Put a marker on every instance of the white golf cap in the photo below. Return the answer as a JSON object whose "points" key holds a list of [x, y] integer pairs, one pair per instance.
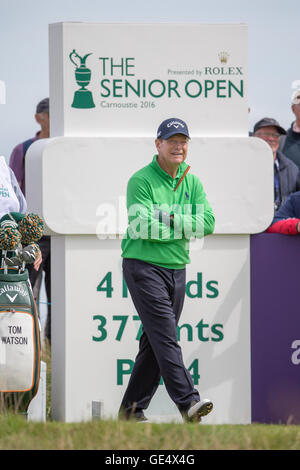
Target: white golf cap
{"points": [[296, 97]]}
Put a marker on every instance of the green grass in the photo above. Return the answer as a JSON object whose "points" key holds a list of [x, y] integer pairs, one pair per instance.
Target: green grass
{"points": [[17, 433]]}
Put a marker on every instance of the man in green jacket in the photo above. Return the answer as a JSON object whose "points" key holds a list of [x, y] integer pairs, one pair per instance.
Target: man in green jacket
{"points": [[166, 207]]}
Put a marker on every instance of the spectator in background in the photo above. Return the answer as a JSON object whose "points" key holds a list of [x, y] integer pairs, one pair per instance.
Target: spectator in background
{"points": [[286, 173], [17, 164], [287, 219], [290, 143], [17, 158]]}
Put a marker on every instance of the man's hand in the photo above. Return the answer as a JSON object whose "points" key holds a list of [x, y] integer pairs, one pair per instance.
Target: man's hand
{"points": [[164, 217], [38, 261]]}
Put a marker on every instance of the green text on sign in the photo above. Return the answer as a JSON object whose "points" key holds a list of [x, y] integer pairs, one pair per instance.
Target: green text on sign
{"points": [[202, 331], [198, 288], [125, 367]]}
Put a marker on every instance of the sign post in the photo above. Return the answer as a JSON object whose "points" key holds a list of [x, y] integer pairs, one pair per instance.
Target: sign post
{"points": [[111, 86]]}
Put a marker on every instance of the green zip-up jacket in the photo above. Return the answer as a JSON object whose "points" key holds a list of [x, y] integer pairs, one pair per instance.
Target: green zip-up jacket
{"points": [[153, 236]]}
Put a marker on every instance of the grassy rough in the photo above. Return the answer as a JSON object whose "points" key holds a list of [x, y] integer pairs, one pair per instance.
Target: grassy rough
{"points": [[17, 433]]}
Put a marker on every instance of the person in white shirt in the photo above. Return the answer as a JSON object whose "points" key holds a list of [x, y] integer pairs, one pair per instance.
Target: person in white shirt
{"points": [[11, 197]]}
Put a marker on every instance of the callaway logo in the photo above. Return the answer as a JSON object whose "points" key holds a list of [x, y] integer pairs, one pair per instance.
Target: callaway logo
{"points": [[14, 288], [175, 124], [11, 298]]}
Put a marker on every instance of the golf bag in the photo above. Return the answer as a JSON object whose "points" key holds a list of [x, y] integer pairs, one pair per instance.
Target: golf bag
{"points": [[20, 346]]}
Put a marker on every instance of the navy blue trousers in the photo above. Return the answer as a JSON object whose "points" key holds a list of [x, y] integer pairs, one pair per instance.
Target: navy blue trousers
{"points": [[158, 296]]}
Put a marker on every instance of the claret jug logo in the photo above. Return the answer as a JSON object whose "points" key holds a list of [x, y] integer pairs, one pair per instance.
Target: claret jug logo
{"points": [[83, 98]]}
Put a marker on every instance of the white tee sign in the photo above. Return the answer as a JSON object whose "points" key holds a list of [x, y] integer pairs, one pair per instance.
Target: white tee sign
{"points": [[111, 85], [120, 79]]}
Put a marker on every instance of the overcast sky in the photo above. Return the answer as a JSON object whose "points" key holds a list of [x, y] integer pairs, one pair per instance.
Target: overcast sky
{"points": [[274, 62]]}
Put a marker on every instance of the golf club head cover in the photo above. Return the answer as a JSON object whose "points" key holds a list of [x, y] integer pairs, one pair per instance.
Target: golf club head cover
{"points": [[10, 237], [17, 229], [31, 228]]}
